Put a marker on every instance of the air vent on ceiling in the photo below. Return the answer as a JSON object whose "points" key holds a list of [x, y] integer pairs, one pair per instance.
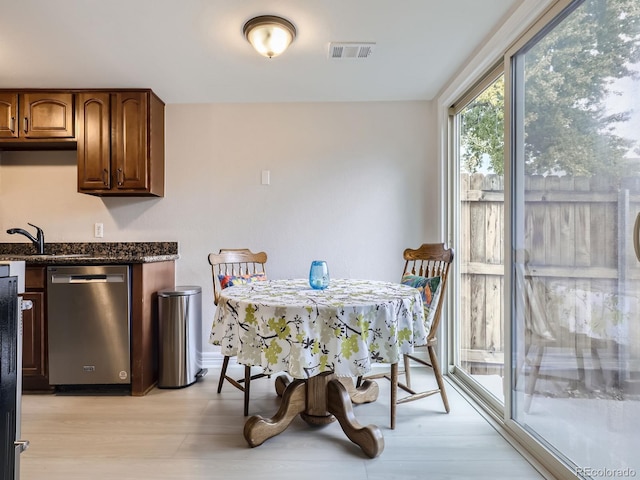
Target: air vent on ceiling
{"points": [[356, 51]]}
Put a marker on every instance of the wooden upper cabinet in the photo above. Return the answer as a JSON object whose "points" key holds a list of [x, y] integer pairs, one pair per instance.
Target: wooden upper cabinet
{"points": [[121, 143], [130, 140], [94, 141], [47, 115], [37, 116], [8, 115], [118, 134]]}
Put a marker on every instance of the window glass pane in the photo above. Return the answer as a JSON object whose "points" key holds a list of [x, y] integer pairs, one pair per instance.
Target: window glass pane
{"points": [[576, 343], [480, 333]]}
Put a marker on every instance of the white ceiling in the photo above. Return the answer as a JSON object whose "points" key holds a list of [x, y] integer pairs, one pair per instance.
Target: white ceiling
{"points": [[193, 51]]}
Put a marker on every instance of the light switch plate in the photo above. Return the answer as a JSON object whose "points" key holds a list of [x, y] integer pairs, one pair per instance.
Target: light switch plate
{"points": [[98, 230], [266, 177]]}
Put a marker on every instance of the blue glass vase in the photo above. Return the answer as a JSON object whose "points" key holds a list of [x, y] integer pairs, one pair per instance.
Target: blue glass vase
{"points": [[319, 275]]}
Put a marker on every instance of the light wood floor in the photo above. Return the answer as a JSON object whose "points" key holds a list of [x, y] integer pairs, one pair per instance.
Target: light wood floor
{"points": [[195, 433]]}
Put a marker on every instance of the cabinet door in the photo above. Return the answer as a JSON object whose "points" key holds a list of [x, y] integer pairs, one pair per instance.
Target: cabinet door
{"points": [[34, 339], [35, 365], [129, 141], [94, 141], [8, 115], [47, 115]]}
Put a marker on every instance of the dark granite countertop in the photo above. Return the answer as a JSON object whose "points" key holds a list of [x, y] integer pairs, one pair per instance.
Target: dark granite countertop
{"points": [[91, 253]]}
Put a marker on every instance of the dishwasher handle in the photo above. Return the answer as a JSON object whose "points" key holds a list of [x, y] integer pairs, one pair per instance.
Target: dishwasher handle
{"points": [[88, 278]]}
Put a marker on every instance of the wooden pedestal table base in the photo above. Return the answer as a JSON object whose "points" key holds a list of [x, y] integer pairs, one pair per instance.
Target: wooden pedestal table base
{"points": [[319, 400]]}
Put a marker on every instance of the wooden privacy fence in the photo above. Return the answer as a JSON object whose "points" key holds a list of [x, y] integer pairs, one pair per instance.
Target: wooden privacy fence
{"points": [[579, 262]]}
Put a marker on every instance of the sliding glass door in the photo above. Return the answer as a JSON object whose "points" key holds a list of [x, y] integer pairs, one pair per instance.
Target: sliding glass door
{"points": [[545, 313], [574, 133], [478, 136]]}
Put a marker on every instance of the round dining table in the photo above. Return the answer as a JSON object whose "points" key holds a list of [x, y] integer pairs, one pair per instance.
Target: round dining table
{"points": [[318, 337]]}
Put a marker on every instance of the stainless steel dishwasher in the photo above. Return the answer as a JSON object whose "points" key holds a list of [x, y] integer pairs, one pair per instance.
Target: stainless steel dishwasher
{"points": [[88, 313]]}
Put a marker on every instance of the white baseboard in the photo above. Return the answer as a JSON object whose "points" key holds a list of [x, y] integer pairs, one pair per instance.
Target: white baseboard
{"points": [[214, 360]]}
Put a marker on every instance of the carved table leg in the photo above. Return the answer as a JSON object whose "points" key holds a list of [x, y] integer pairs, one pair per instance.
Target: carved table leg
{"points": [[258, 429], [317, 411], [281, 383], [319, 400], [368, 438], [365, 393]]}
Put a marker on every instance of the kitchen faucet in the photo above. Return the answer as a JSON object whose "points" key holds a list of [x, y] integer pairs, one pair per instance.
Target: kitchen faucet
{"points": [[38, 242]]}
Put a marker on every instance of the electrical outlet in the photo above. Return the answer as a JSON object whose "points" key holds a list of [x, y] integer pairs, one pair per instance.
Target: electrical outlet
{"points": [[98, 230]]}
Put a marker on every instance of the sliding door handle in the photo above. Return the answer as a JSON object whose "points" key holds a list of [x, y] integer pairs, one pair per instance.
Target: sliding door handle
{"points": [[636, 237]]}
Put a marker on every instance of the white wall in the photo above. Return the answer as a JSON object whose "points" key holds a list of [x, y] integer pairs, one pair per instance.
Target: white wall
{"points": [[351, 183]]}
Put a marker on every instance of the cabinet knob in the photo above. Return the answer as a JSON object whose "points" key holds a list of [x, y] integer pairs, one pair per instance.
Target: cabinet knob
{"points": [[26, 124], [12, 124], [120, 177], [105, 177]]}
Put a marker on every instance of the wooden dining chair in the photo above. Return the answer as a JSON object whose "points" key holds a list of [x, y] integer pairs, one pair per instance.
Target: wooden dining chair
{"points": [[426, 268], [233, 266], [541, 307]]}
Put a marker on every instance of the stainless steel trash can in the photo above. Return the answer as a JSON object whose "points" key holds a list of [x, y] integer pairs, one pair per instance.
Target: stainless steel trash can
{"points": [[180, 324]]}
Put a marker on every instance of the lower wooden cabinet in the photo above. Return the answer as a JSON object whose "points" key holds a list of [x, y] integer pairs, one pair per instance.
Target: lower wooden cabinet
{"points": [[35, 373], [146, 280]]}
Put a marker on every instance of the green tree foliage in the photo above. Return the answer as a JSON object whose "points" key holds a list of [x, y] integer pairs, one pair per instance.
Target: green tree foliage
{"points": [[482, 130], [568, 76]]}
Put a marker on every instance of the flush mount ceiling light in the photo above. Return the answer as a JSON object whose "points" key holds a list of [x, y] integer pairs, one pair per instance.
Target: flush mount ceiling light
{"points": [[269, 35]]}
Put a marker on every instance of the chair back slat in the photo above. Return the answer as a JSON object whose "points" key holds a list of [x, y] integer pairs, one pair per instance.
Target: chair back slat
{"points": [[235, 261], [430, 260]]}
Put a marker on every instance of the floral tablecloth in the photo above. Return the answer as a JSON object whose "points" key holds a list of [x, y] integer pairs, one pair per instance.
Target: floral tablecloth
{"points": [[284, 325]]}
